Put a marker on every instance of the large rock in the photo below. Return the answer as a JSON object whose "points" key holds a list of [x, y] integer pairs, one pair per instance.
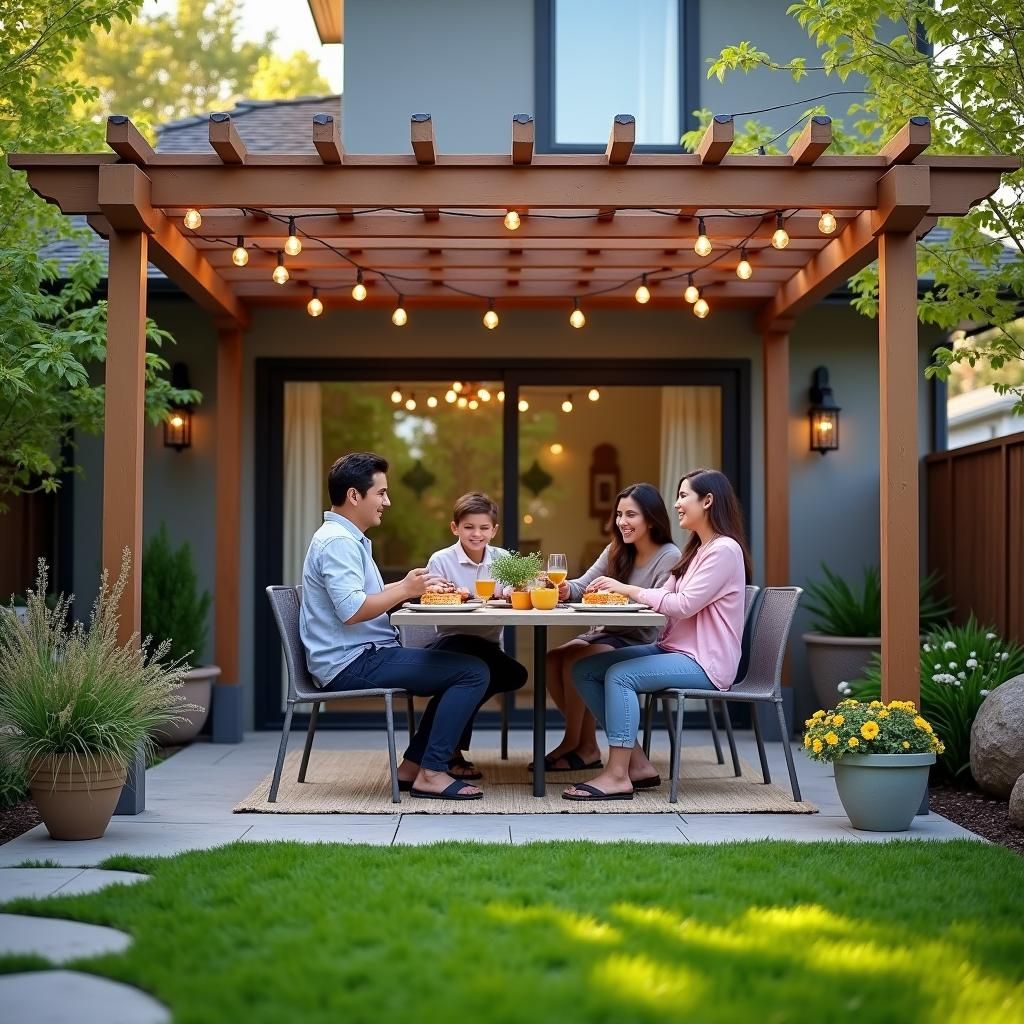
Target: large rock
{"points": [[997, 739], [1017, 804]]}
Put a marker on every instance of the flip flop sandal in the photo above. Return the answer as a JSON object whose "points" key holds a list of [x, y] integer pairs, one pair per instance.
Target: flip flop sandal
{"points": [[595, 794], [464, 771], [575, 763], [404, 785], [453, 792], [652, 783]]}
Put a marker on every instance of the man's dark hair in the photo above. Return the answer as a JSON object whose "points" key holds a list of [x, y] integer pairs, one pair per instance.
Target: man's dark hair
{"points": [[353, 470]]}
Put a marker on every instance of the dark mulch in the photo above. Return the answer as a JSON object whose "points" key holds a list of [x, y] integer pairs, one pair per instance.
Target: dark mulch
{"points": [[982, 814], [17, 819]]}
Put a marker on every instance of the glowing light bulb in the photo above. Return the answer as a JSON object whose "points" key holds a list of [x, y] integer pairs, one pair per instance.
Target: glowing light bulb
{"points": [[744, 271], [702, 247], [512, 220], [193, 218], [692, 293], [567, 404], [501, 396], [781, 238], [280, 274], [474, 404], [523, 405], [314, 307], [491, 319], [432, 402], [450, 396], [399, 317], [292, 246], [396, 396], [177, 420], [359, 289], [701, 308], [593, 394], [528, 519], [240, 255], [556, 449], [484, 395], [457, 387], [643, 293], [410, 404], [462, 402], [576, 317], [827, 222]]}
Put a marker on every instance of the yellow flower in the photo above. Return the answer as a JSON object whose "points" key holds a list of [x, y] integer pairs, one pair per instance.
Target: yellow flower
{"points": [[869, 730], [876, 704], [883, 713], [816, 746], [807, 739], [906, 745], [828, 720], [831, 739], [818, 714], [838, 720], [853, 742], [922, 724]]}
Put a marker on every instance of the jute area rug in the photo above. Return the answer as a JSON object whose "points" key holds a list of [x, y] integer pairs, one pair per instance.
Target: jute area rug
{"points": [[357, 782]]}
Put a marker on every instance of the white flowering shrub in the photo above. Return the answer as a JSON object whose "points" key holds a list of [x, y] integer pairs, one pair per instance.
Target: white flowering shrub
{"points": [[960, 666]]}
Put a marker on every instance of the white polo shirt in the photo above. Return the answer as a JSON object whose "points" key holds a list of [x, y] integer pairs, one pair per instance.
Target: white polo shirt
{"points": [[454, 564]]}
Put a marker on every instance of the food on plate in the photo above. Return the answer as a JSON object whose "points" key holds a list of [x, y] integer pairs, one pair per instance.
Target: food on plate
{"points": [[604, 597], [444, 592]]}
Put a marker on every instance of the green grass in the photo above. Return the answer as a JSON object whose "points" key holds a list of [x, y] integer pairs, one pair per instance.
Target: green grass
{"points": [[571, 932]]}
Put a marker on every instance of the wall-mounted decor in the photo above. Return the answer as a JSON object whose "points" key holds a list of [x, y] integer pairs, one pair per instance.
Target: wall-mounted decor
{"points": [[605, 480], [536, 478]]}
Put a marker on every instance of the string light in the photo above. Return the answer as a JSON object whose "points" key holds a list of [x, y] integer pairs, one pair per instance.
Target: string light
{"points": [[396, 395], [450, 396], [702, 247], [512, 220], [410, 403], [432, 402], [593, 394], [523, 405], [827, 222], [240, 255], [556, 449], [491, 317], [484, 395], [692, 293], [567, 404], [576, 317], [744, 271], [359, 289], [280, 274], [462, 402], [193, 218], [399, 317], [501, 396], [781, 237], [457, 387], [701, 307], [314, 307], [474, 404], [643, 293], [292, 246]]}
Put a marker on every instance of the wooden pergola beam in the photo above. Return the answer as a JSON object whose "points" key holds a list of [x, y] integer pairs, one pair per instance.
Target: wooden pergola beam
{"points": [[621, 139], [127, 141], [717, 140], [522, 139], [421, 132], [813, 141], [327, 139], [909, 142], [225, 140]]}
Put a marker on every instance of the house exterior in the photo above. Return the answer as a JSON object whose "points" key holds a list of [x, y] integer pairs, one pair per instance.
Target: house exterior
{"points": [[665, 377]]}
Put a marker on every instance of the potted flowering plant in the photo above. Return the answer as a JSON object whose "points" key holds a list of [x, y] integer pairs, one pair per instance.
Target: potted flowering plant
{"points": [[881, 754]]}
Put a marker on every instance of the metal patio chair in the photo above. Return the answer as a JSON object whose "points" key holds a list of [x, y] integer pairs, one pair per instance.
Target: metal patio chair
{"points": [[285, 602]]}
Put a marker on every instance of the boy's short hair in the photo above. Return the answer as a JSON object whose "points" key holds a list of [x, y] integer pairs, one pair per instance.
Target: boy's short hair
{"points": [[476, 503]]}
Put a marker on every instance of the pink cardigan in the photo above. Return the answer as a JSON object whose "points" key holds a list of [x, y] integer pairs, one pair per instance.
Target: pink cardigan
{"points": [[705, 610]]}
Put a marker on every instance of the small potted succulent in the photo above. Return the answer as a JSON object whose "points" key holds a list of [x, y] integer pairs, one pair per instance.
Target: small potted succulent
{"points": [[516, 572]]}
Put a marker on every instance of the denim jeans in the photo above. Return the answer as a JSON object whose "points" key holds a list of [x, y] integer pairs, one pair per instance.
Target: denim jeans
{"points": [[609, 684], [456, 680]]}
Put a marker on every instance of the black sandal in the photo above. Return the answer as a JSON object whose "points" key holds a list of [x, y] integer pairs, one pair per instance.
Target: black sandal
{"points": [[452, 792], [595, 794]]}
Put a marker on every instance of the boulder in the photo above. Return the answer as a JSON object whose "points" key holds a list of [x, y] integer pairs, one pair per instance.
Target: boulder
{"points": [[997, 739], [1017, 804]]}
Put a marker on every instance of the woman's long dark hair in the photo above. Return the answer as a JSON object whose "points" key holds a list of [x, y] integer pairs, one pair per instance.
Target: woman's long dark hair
{"points": [[725, 514], [622, 556]]}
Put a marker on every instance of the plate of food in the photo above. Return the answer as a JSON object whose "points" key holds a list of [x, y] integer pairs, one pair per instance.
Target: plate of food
{"points": [[605, 601], [451, 602]]}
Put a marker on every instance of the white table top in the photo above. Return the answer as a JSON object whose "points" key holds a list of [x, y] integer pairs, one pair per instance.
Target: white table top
{"points": [[533, 617]]}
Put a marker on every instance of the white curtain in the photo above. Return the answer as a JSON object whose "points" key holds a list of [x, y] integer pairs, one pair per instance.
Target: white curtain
{"points": [[303, 475], [691, 438]]}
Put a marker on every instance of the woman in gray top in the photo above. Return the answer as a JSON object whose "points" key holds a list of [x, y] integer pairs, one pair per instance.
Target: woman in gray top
{"points": [[641, 553]]}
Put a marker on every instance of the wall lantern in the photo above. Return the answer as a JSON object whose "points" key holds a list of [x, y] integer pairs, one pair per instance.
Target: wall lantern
{"points": [[824, 414], [178, 424]]}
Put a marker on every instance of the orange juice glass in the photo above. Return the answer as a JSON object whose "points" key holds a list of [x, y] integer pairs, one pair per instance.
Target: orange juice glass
{"points": [[557, 576], [485, 589]]}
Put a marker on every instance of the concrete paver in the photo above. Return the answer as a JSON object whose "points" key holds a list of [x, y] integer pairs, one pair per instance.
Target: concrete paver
{"points": [[56, 997]]}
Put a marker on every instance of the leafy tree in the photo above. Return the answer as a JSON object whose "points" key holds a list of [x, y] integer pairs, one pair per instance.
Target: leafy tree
{"points": [[971, 85], [187, 61], [50, 337]]}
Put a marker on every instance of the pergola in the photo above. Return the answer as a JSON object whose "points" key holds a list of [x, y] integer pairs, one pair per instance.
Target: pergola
{"points": [[589, 224]]}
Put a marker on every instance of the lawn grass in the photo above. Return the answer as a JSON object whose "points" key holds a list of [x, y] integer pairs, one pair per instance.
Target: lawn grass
{"points": [[570, 932]]}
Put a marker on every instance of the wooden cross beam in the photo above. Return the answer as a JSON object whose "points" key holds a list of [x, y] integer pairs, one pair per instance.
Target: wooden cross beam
{"points": [[225, 139], [327, 140], [421, 130], [717, 139], [126, 140], [909, 142], [813, 141], [621, 139], [522, 139]]}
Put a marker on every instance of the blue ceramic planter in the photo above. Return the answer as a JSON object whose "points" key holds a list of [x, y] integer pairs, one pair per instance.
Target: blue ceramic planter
{"points": [[882, 792]]}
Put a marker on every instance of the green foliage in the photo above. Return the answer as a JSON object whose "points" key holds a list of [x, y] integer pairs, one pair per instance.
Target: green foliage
{"points": [[853, 728], [960, 666], [13, 785], [972, 89], [173, 610], [70, 690], [185, 61], [841, 610], [515, 570]]}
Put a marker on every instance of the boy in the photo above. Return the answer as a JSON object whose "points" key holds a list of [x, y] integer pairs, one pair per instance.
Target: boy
{"points": [[351, 645], [474, 524]]}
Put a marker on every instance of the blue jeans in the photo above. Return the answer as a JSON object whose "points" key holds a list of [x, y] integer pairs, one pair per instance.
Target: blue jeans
{"points": [[458, 680], [609, 684]]}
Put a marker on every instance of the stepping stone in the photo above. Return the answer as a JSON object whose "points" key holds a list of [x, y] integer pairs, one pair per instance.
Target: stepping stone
{"points": [[38, 883], [93, 879], [56, 940], [56, 997]]}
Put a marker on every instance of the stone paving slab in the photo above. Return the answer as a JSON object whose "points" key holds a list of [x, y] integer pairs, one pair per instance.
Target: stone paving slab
{"points": [[38, 883], [57, 997], [598, 828], [57, 941]]}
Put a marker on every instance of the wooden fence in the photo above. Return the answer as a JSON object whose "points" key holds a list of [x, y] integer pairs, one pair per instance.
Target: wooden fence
{"points": [[975, 506]]}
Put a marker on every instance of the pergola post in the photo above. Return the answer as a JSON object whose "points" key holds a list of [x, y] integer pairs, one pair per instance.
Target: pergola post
{"points": [[227, 705], [775, 358], [897, 389]]}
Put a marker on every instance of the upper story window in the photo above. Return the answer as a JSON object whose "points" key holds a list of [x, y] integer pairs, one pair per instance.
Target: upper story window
{"points": [[599, 58]]}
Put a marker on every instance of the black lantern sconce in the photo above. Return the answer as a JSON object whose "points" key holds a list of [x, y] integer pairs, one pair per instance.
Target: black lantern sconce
{"points": [[178, 424], [824, 414]]}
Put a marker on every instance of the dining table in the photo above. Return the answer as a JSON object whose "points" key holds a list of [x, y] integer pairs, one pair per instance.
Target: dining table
{"points": [[538, 621]]}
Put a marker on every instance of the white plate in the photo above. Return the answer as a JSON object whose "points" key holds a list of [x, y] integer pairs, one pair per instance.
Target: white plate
{"points": [[581, 607], [440, 607]]}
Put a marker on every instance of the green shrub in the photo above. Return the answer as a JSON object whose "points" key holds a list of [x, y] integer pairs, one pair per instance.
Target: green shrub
{"points": [[172, 607], [841, 610], [960, 666], [13, 787]]}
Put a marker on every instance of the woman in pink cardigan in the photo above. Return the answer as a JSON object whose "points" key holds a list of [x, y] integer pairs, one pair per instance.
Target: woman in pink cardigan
{"points": [[699, 647]]}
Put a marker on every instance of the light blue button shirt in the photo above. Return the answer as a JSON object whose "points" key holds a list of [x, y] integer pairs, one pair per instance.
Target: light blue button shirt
{"points": [[337, 575]]}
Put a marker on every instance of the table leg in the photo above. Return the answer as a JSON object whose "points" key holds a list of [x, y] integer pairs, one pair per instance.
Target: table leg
{"points": [[540, 700]]}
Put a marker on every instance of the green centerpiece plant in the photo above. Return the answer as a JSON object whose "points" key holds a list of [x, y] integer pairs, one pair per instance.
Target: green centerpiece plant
{"points": [[517, 572]]}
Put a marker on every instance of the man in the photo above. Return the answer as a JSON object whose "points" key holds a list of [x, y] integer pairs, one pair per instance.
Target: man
{"points": [[351, 645]]}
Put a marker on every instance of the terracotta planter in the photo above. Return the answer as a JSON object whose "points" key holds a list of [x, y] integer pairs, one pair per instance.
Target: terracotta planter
{"points": [[882, 792], [197, 689], [834, 659], [520, 600], [75, 796]]}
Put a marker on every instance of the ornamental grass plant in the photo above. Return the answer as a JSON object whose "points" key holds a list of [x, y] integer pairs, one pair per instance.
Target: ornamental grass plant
{"points": [[72, 691], [515, 570], [854, 728]]}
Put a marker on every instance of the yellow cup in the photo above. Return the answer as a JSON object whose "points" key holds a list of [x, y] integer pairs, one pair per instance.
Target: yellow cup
{"points": [[544, 599], [520, 600]]}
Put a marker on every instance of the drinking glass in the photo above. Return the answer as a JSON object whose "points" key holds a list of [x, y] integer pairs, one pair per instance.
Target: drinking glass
{"points": [[558, 569], [485, 582]]}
